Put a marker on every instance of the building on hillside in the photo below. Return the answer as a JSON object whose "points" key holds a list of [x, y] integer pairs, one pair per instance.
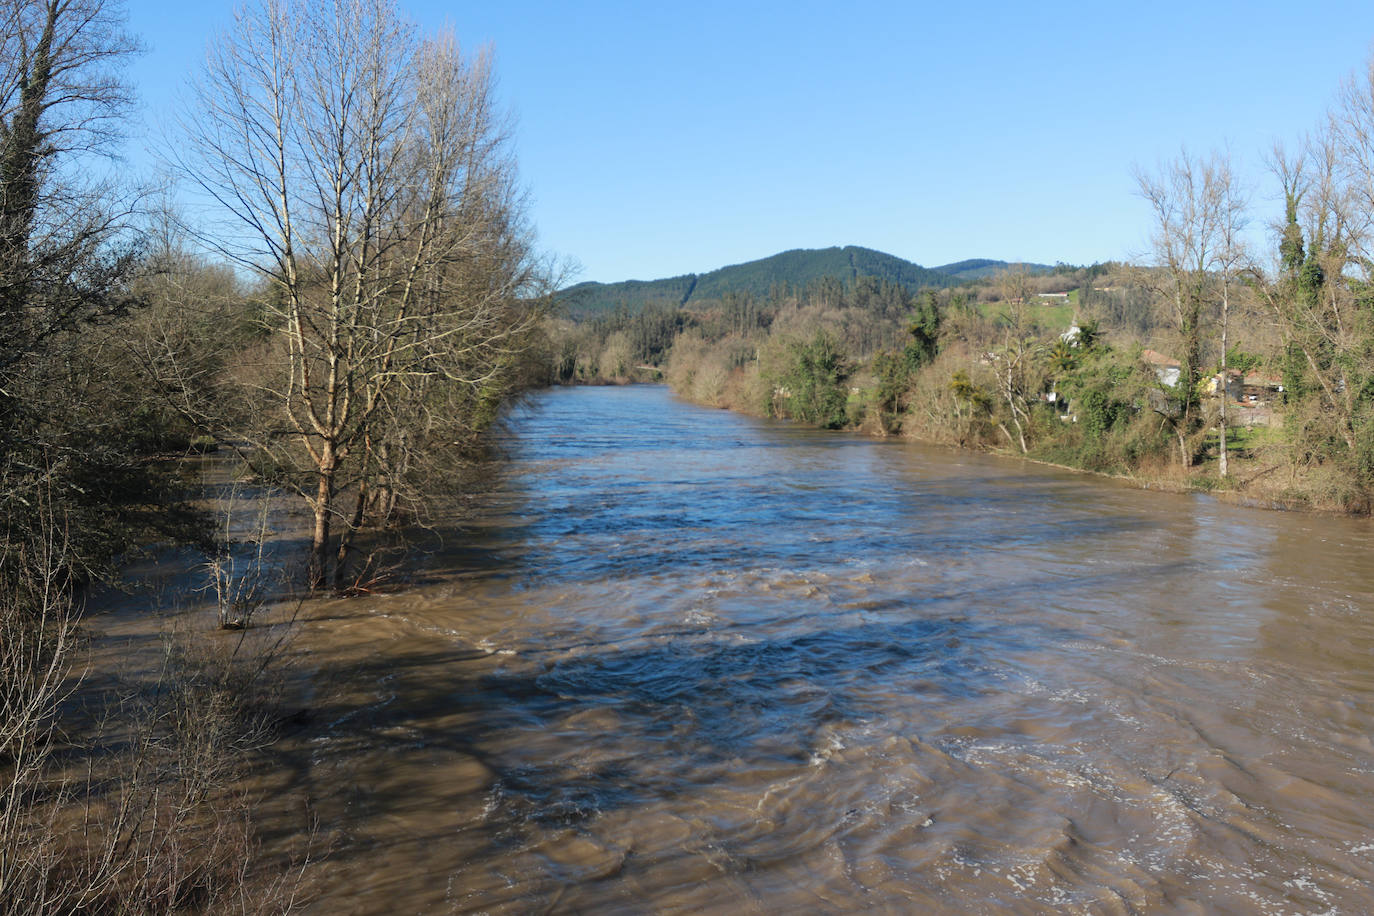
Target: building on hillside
{"points": [[1233, 385], [1167, 369], [1261, 387]]}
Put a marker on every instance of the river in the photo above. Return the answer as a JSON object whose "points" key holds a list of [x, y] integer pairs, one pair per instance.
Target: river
{"points": [[683, 660]]}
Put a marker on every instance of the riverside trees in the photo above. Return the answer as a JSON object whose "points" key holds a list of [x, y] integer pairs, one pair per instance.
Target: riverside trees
{"points": [[1198, 213], [1321, 301], [64, 264], [72, 481], [367, 177]]}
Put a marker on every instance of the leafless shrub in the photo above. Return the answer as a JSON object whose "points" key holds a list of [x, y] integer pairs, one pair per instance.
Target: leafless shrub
{"points": [[137, 808], [242, 578], [37, 636]]}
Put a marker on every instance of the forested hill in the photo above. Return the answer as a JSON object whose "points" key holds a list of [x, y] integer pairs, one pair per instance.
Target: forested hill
{"points": [[792, 269]]}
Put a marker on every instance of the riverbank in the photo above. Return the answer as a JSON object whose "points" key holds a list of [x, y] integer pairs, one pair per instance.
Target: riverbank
{"points": [[1250, 483], [1259, 473]]}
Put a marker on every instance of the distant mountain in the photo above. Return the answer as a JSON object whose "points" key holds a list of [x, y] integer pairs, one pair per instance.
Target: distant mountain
{"points": [[980, 268], [794, 268]]}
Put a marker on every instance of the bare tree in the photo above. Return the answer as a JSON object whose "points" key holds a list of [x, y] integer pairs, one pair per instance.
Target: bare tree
{"points": [[1016, 361], [37, 634], [1016, 285], [61, 99], [367, 178], [1186, 199], [1013, 366], [1311, 298]]}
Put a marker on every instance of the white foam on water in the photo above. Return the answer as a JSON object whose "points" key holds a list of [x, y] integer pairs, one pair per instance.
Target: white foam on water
{"points": [[833, 745]]}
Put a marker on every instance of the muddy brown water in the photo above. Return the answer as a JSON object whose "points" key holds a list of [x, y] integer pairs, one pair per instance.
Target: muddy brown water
{"points": [[685, 661]]}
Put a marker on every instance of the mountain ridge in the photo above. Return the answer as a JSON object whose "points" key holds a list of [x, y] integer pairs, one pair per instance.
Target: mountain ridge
{"points": [[795, 268]]}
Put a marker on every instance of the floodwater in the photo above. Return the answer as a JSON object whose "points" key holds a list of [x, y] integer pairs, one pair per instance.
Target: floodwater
{"points": [[687, 661]]}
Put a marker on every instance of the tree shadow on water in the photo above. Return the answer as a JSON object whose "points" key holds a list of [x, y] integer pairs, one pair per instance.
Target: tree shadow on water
{"points": [[569, 735]]}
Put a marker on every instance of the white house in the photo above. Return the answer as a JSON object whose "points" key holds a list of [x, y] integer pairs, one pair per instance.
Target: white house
{"points": [[1167, 369]]}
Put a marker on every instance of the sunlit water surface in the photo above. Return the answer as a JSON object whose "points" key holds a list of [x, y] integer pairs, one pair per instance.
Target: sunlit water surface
{"points": [[688, 661]]}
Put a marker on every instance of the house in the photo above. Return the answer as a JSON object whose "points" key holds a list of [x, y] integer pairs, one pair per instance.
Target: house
{"points": [[1259, 387], [1167, 369], [1233, 385]]}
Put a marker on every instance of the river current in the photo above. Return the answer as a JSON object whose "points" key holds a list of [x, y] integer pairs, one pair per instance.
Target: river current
{"points": [[682, 660]]}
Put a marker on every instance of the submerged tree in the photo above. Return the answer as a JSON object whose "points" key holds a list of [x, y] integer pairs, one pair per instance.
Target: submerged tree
{"points": [[368, 179], [68, 479]]}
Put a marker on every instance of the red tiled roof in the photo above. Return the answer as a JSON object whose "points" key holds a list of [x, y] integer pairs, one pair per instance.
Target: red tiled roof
{"points": [[1158, 359]]}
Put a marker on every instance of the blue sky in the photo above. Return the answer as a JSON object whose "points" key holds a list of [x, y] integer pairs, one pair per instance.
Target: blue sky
{"points": [[661, 139]]}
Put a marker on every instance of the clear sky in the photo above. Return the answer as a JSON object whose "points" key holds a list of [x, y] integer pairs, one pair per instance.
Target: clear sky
{"points": [[665, 138]]}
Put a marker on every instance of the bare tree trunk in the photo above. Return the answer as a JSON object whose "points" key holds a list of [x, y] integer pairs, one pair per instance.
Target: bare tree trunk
{"points": [[1186, 199], [1020, 432], [1012, 382], [324, 507], [346, 536]]}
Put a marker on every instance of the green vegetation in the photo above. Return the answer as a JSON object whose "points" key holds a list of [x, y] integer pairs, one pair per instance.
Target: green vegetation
{"points": [[810, 383]]}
